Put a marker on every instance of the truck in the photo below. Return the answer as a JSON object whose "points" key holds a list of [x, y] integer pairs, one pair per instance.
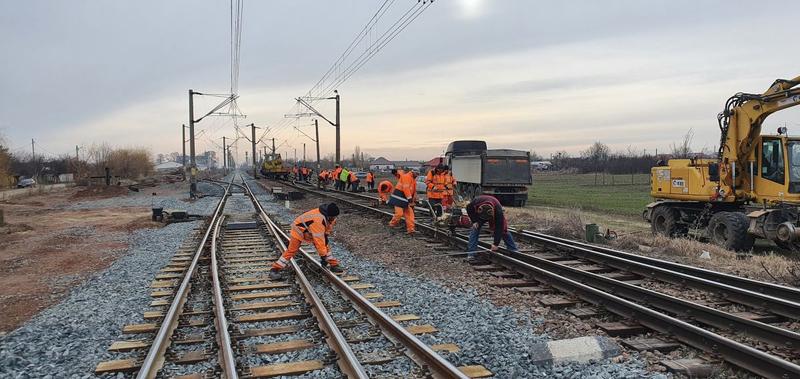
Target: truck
{"points": [[502, 173], [749, 191]]}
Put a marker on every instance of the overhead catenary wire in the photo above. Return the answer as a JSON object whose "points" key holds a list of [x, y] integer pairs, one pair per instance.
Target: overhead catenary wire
{"points": [[336, 76]]}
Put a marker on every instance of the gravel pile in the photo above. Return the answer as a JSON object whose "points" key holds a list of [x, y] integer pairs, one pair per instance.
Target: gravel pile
{"points": [[494, 336]]}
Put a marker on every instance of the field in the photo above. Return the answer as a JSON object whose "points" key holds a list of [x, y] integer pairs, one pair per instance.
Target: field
{"points": [[597, 192]]}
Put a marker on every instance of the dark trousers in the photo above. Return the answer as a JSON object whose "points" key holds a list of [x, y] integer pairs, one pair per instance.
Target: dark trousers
{"points": [[371, 185]]}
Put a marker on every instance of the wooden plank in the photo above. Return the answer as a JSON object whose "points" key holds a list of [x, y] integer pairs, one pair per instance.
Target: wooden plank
{"points": [[159, 303], [247, 279], [128, 345], [271, 331], [139, 328], [262, 295], [421, 329], [447, 347], [361, 286], [505, 274], [760, 317], [161, 293], [119, 365], [169, 276], [692, 367], [373, 295], [272, 316], [405, 317], [618, 329], [282, 347], [475, 371], [387, 304], [264, 305], [648, 344], [351, 278], [583, 312], [263, 286], [488, 268], [292, 368], [192, 357], [513, 283], [533, 290]]}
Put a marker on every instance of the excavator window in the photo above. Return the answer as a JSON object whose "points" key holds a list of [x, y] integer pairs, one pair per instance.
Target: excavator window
{"points": [[793, 148], [772, 165]]}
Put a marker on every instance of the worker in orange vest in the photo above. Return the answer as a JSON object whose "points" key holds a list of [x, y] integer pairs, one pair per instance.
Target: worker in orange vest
{"points": [[335, 177], [322, 178], [304, 173], [385, 189], [437, 189], [353, 182], [370, 180], [313, 227], [403, 198], [450, 187]]}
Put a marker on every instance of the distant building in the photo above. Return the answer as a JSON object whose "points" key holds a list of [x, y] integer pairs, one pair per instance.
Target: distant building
{"points": [[431, 164], [381, 164]]}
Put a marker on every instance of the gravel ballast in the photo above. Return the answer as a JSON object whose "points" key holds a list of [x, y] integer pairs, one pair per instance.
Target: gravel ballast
{"points": [[496, 337], [72, 337]]}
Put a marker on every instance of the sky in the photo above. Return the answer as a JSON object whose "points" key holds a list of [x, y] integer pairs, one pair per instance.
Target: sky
{"points": [[524, 74]]}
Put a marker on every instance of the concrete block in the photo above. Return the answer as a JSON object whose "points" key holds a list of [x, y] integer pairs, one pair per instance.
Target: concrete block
{"points": [[580, 350]]}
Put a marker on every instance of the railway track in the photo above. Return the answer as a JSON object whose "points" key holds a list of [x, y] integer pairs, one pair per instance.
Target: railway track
{"points": [[748, 322], [217, 314]]}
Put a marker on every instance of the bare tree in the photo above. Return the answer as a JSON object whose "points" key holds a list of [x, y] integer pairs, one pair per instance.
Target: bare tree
{"points": [[684, 148]]}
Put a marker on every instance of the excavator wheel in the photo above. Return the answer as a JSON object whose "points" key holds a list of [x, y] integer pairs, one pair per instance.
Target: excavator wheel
{"points": [[729, 230], [665, 222]]}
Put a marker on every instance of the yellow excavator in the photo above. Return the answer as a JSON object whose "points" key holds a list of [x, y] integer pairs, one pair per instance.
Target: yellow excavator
{"points": [[751, 190]]}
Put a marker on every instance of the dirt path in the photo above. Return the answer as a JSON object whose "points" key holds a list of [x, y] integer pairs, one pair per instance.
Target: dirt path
{"points": [[45, 249]]}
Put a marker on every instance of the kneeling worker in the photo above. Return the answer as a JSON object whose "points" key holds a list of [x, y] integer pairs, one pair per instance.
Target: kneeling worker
{"points": [[482, 209], [385, 189], [314, 227], [403, 198]]}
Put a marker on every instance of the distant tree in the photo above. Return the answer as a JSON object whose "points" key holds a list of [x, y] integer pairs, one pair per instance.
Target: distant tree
{"points": [[535, 156], [683, 149]]}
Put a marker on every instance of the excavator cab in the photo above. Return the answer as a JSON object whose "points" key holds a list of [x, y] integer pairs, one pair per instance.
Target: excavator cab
{"points": [[777, 179]]}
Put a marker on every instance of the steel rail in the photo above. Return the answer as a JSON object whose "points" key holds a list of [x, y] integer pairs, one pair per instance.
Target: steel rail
{"points": [[418, 351], [155, 355], [227, 357], [734, 352], [706, 315], [739, 291], [776, 290], [347, 359]]}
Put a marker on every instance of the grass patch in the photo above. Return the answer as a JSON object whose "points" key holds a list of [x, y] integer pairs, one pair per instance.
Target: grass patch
{"points": [[618, 194]]}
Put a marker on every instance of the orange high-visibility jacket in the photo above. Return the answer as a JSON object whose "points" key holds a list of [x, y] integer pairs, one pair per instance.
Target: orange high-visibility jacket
{"points": [[450, 183], [437, 185], [370, 177], [406, 184], [384, 189], [336, 173], [313, 227], [352, 177]]}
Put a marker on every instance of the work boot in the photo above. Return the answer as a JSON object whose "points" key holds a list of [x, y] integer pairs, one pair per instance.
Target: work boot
{"points": [[275, 274], [323, 262], [411, 233], [337, 269]]}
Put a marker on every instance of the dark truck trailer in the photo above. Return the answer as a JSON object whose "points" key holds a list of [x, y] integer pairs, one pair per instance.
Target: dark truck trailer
{"points": [[503, 173]]}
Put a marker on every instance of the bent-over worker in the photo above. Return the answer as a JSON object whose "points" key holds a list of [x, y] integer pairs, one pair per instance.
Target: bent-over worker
{"points": [[403, 198], [385, 189], [482, 209], [313, 227]]}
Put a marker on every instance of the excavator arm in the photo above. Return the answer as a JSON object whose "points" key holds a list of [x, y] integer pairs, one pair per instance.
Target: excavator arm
{"points": [[740, 124]]}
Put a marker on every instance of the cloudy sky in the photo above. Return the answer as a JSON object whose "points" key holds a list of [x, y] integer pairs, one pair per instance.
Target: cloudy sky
{"points": [[524, 74]]}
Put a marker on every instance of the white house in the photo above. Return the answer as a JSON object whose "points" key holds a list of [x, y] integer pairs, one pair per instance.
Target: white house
{"points": [[381, 164]]}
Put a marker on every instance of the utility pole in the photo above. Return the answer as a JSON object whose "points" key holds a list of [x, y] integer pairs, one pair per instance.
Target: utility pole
{"points": [[183, 147], [76, 154], [245, 157], [304, 153], [338, 129], [224, 155], [192, 166], [295, 156], [255, 164], [316, 131], [273, 146]]}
